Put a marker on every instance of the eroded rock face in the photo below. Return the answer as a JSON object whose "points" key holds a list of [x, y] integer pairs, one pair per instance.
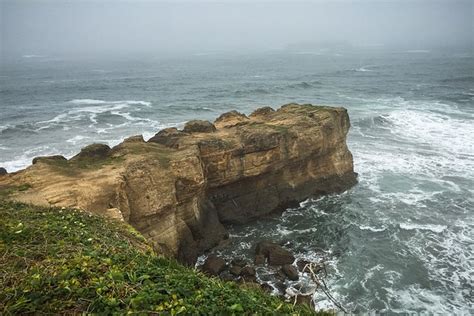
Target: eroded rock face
{"points": [[179, 188]]}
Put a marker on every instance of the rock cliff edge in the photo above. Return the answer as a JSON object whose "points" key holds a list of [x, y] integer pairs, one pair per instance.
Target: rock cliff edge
{"points": [[180, 187]]}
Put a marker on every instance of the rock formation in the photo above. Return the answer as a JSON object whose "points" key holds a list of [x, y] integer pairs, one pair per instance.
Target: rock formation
{"points": [[180, 187]]}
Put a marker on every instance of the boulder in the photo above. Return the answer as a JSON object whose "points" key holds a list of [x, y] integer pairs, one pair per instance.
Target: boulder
{"points": [[290, 271], [169, 137], [239, 262], [281, 287], [262, 112], [304, 300], [230, 119], [226, 276], [301, 264], [235, 270], [199, 126], [93, 151], [50, 159], [213, 265], [248, 271], [275, 254], [3, 171], [134, 139], [266, 287], [259, 259]]}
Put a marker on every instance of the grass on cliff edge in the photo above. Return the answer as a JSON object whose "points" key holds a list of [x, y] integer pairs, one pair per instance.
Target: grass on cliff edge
{"points": [[66, 261]]}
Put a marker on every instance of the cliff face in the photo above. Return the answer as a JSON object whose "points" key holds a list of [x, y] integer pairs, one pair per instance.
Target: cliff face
{"points": [[180, 187]]}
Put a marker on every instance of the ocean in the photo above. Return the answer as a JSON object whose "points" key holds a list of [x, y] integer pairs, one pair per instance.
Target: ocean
{"points": [[400, 241]]}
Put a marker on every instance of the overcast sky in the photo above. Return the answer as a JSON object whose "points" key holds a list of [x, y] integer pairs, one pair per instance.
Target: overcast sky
{"points": [[91, 27]]}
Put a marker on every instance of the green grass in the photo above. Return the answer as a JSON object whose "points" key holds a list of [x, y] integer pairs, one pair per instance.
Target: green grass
{"points": [[6, 191], [66, 261]]}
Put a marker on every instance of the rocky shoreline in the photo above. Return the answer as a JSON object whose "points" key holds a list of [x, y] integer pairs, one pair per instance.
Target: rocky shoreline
{"points": [[181, 187]]}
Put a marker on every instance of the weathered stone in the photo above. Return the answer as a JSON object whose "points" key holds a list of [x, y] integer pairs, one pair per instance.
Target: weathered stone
{"points": [[169, 137], [276, 254], [301, 264], [235, 270], [179, 188], [50, 159], [239, 262], [266, 287], [248, 271], [199, 126], [230, 119], [134, 139], [226, 276], [259, 259], [3, 171], [262, 112], [281, 287], [213, 265], [305, 300], [93, 151], [290, 271]]}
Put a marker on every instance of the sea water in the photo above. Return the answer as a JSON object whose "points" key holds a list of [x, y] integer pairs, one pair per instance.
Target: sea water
{"points": [[401, 240]]}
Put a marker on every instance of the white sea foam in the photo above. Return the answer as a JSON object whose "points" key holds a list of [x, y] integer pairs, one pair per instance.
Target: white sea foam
{"points": [[33, 56], [77, 139], [372, 229], [93, 101], [418, 51], [433, 228], [363, 69]]}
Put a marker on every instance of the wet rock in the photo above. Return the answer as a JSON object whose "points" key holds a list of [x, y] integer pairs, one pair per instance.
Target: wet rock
{"points": [[249, 278], [301, 264], [93, 151], [55, 158], [235, 270], [239, 262], [304, 300], [276, 254], [259, 259], [199, 126], [248, 271], [213, 265], [281, 287], [290, 271], [266, 287], [3, 171], [168, 137], [226, 276]]}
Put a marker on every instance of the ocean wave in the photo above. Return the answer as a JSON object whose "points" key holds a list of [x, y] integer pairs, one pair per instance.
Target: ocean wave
{"points": [[258, 91], [418, 51], [372, 229], [468, 79], [94, 102], [433, 228], [363, 69]]}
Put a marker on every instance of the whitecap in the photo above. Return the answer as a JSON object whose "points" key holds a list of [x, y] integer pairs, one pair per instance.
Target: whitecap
{"points": [[77, 139], [372, 229], [362, 69], [433, 228]]}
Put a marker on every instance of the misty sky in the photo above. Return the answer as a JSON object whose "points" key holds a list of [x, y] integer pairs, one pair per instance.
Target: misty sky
{"points": [[90, 27]]}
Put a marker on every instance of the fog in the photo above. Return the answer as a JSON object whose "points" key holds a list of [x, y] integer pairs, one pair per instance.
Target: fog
{"points": [[181, 27]]}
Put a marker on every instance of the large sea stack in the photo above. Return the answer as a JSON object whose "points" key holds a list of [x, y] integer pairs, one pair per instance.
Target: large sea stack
{"points": [[181, 187]]}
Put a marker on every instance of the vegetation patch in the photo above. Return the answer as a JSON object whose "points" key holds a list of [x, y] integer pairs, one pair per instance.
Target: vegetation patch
{"points": [[67, 261], [6, 191]]}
